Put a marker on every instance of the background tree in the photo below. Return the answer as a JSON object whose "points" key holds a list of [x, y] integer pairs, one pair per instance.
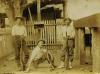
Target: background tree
{"points": [[13, 8]]}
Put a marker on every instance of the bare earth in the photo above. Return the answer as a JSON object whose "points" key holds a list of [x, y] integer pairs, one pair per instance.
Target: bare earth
{"points": [[8, 66]]}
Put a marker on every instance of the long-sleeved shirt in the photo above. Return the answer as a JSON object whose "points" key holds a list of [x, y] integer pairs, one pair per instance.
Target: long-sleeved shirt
{"points": [[19, 30]]}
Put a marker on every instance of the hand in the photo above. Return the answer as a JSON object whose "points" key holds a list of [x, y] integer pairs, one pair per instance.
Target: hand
{"points": [[68, 36], [64, 38]]}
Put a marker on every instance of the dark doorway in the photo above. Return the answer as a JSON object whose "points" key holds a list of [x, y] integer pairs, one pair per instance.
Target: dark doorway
{"points": [[88, 40]]}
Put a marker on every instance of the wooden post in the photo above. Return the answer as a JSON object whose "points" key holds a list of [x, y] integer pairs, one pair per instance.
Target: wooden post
{"points": [[96, 50], [38, 10], [77, 52], [65, 13], [96, 46], [30, 15], [81, 45], [38, 18]]}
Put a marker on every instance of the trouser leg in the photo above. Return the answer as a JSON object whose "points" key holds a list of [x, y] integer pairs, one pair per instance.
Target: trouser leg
{"points": [[17, 50], [17, 56], [63, 50], [29, 63], [70, 56], [25, 52], [70, 52]]}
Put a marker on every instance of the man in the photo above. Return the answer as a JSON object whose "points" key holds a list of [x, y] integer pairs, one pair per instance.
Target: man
{"points": [[19, 34], [39, 55], [68, 34]]}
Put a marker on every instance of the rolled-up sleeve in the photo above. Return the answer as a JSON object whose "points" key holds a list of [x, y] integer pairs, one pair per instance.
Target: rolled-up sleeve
{"points": [[13, 31]]}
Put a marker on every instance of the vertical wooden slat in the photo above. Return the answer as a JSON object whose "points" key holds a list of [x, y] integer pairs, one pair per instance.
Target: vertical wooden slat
{"points": [[47, 36], [44, 36], [27, 34], [52, 36], [48, 33], [55, 34], [50, 29]]}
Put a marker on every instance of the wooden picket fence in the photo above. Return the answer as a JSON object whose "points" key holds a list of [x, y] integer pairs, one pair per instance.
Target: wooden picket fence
{"points": [[48, 33], [6, 43]]}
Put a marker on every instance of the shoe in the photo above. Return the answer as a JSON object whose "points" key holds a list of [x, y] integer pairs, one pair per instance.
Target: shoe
{"points": [[19, 69], [27, 70], [70, 65], [62, 65]]}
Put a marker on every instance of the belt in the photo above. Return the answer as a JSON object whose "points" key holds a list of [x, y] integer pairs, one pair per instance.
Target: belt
{"points": [[70, 38]]}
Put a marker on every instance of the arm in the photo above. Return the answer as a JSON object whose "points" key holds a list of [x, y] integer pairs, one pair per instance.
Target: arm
{"points": [[24, 35], [25, 32], [13, 31], [64, 32], [73, 31]]}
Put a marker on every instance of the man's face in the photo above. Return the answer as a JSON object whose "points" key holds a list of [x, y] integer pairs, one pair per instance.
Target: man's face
{"points": [[40, 44], [67, 22], [19, 21]]}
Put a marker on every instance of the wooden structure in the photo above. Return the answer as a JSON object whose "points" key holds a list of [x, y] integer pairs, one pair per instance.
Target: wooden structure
{"points": [[93, 23], [49, 31], [14, 8]]}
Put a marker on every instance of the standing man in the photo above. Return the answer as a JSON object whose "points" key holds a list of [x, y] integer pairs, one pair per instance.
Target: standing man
{"points": [[68, 33], [19, 34]]}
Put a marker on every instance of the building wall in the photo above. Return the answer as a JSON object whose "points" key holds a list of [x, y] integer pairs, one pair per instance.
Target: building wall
{"points": [[96, 50]]}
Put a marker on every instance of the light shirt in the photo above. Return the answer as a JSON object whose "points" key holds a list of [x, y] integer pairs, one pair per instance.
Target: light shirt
{"points": [[68, 31], [19, 30], [37, 53], [64, 31]]}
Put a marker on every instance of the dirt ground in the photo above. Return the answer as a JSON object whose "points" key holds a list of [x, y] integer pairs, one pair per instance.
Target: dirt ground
{"points": [[8, 66]]}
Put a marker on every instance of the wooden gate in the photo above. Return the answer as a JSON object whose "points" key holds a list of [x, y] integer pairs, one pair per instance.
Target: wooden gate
{"points": [[48, 33]]}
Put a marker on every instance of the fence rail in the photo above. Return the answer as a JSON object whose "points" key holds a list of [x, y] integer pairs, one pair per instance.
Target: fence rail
{"points": [[48, 33]]}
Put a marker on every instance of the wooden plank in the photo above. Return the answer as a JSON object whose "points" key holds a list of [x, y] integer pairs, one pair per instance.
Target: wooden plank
{"points": [[81, 45], [48, 33]]}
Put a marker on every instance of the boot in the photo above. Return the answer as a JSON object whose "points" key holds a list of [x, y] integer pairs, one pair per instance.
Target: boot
{"points": [[70, 65]]}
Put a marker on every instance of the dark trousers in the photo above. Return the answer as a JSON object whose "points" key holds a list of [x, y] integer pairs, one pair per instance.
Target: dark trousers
{"points": [[20, 44], [67, 49]]}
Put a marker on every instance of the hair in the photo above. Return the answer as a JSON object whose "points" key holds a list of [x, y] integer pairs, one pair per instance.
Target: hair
{"points": [[19, 17], [67, 19], [42, 41]]}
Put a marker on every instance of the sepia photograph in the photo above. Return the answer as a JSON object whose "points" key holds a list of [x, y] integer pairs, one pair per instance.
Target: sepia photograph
{"points": [[49, 36]]}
